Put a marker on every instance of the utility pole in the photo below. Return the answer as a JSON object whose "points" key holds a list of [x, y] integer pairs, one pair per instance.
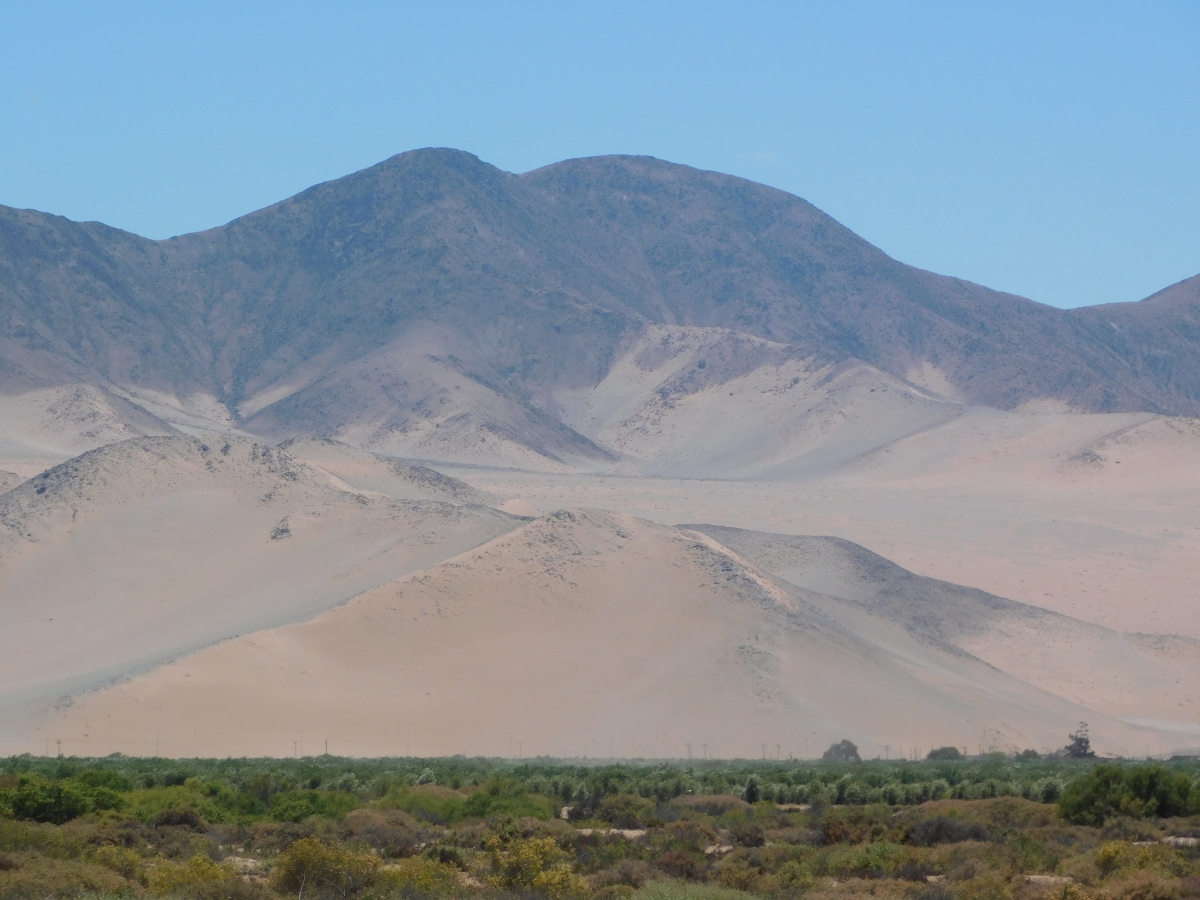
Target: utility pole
{"points": [[296, 749], [59, 742], [689, 746], [326, 746]]}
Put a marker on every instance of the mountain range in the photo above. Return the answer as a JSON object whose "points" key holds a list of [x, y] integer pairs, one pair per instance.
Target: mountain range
{"points": [[438, 307]]}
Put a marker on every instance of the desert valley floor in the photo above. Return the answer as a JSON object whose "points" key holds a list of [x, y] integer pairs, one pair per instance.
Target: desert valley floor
{"points": [[623, 614]]}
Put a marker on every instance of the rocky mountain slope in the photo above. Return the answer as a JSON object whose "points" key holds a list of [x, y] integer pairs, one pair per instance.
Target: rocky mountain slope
{"points": [[436, 307]]}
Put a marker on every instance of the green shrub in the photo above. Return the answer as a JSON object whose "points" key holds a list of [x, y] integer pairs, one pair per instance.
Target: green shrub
{"points": [[104, 778], [501, 795], [532, 864], [48, 801], [420, 876], [1108, 791], [441, 809], [310, 868], [50, 878], [682, 890], [624, 810], [124, 861], [167, 877]]}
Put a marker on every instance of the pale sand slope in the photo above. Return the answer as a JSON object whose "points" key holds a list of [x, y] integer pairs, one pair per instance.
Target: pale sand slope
{"points": [[706, 402], [377, 474], [42, 427], [415, 398], [580, 633], [9, 480], [1134, 677], [1093, 516], [131, 554]]}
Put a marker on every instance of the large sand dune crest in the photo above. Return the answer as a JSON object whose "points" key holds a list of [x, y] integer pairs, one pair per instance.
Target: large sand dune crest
{"points": [[142, 550], [1129, 676], [581, 633]]}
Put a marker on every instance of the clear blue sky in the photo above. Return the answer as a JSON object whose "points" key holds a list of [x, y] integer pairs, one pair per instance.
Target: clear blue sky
{"points": [[1048, 149]]}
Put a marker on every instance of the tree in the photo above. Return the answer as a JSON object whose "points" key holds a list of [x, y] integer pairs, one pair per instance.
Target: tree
{"points": [[945, 753], [842, 751], [1080, 746]]}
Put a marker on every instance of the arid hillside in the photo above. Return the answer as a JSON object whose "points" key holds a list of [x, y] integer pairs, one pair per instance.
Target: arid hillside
{"points": [[585, 633], [132, 554], [436, 307]]}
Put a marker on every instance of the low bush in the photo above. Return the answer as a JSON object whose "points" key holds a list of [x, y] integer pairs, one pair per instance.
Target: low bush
{"points": [[532, 864], [502, 795], [166, 877], [419, 876], [624, 810], [944, 830], [310, 868]]}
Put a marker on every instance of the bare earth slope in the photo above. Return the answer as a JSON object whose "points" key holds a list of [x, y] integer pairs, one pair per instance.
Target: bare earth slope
{"points": [[580, 633], [1091, 516], [1137, 677], [364, 471], [42, 427], [129, 555]]}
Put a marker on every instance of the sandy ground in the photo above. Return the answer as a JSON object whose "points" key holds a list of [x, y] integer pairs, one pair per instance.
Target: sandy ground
{"points": [[592, 635], [1096, 517], [143, 550], [579, 634]]}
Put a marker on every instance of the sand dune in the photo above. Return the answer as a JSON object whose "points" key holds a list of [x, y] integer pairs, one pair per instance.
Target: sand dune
{"points": [[1130, 676], [1092, 516], [580, 633], [134, 553], [371, 472]]}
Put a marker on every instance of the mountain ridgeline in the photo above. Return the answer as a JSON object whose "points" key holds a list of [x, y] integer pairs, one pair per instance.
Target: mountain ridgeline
{"points": [[436, 291]]}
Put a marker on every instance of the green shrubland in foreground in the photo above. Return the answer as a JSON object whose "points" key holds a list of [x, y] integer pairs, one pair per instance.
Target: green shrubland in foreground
{"points": [[335, 829]]}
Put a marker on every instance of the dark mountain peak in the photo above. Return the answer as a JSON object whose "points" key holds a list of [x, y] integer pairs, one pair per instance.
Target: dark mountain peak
{"points": [[543, 276], [1182, 294]]}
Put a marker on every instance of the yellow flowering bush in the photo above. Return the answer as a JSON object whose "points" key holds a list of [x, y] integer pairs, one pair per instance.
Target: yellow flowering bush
{"points": [[532, 864]]}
